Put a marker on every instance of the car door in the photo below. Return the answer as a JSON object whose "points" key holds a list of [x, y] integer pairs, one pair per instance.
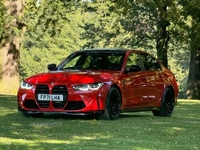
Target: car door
{"points": [[134, 82], [153, 71]]}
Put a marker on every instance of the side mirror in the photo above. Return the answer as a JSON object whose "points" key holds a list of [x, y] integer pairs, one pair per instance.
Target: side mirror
{"points": [[51, 67]]}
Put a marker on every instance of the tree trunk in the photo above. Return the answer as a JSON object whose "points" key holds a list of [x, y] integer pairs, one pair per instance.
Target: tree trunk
{"points": [[162, 37], [9, 65], [193, 83]]}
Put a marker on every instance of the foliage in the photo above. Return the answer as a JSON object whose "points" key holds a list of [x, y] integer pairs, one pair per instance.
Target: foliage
{"points": [[56, 28], [178, 56], [2, 20], [11, 35], [53, 32], [132, 24], [115, 24], [192, 28], [7, 25], [101, 25], [138, 130]]}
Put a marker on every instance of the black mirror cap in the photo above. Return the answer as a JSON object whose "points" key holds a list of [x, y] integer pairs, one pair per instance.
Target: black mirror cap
{"points": [[51, 67]]}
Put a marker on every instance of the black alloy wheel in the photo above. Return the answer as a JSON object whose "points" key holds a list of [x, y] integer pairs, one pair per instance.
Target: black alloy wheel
{"points": [[167, 105], [113, 105]]}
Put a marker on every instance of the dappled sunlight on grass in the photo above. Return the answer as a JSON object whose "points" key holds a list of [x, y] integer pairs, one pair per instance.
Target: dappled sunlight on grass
{"points": [[132, 131], [91, 137], [31, 142], [188, 101], [73, 140], [188, 109], [38, 142], [171, 131]]}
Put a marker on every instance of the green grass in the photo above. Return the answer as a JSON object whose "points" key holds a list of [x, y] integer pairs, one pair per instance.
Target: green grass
{"points": [[132, 131]]}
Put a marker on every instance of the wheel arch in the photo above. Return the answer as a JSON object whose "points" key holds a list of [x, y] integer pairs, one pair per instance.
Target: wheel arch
{"points": [[171, 87], [167, 104], [112, 104], [163, 93], [120, 91]]}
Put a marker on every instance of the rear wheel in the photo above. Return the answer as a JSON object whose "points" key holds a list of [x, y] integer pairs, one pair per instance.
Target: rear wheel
{"points": [[167, 105], [113, 104]]}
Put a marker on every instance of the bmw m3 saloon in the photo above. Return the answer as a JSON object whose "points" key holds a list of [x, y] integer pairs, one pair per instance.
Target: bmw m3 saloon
{"points": [[104, 82]]}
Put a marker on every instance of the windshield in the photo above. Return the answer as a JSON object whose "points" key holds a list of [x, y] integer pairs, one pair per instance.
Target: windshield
{"points": [[93, 60]]}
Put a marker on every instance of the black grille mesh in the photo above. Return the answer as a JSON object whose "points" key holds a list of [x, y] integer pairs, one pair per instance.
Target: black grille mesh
{"points": [[57, 89], [76, 105], [42, 89], [61, 90], [31, 104]]}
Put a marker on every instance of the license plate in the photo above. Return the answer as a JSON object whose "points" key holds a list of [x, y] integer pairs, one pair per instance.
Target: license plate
{"points": [[50, 97]]}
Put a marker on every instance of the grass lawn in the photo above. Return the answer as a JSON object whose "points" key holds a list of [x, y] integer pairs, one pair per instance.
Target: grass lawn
{"points": [[132, 131]]}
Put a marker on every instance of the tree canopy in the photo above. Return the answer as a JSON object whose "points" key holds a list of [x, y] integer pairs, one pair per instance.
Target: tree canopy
{"points": [[2, 20]]}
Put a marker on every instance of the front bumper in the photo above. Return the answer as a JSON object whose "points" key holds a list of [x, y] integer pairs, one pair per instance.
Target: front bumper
{"points": [[75, 102], [61, 113]]}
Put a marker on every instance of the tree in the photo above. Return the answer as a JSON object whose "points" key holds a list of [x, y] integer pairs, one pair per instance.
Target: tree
{"points": [[192, 25], [163, 37], [101, 24], [138, 24], [118, 24], [2, 20], [10, 49], [53, 31], [152, 26]]}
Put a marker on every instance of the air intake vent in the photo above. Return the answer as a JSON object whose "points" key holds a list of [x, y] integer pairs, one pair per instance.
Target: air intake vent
{"points": [[60, 90], [42, 89]]}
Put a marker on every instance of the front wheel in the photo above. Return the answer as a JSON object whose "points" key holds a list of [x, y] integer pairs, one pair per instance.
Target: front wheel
{"points": [[113, 105], [167, 105]]}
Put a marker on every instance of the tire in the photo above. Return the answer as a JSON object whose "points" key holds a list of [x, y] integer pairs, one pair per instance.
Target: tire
{"points": [[113, 105], [25, 114], [167, 105]]}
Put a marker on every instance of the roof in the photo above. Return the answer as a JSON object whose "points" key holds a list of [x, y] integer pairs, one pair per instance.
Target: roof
{"points": [[92, 49], [108, 50]]}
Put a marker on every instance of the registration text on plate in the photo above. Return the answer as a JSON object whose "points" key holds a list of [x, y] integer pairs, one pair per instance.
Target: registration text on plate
{"points": [[50, 97]]}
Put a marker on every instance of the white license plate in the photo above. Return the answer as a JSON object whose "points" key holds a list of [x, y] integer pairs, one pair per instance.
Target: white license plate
{"points": [[50, 97]]}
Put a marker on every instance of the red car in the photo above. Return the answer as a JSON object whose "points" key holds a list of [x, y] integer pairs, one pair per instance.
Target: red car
{"points": [[101, 81]]}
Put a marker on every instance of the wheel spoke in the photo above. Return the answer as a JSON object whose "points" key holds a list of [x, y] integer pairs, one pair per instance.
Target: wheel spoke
{"points": [[114, 104], [114, 108], [169, 105], [168, 108]]}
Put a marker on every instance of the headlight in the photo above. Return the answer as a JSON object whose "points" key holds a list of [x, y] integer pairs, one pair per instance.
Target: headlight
{"points": [[87, 87], [25, 85]]}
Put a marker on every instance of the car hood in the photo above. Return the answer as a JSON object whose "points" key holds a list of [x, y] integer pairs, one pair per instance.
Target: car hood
{"points": [[72, 77]]}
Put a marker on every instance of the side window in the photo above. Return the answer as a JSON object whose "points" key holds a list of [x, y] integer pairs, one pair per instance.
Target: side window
{"points": [[150, 63], [133, 63], [156, 64], [147, 61]]}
